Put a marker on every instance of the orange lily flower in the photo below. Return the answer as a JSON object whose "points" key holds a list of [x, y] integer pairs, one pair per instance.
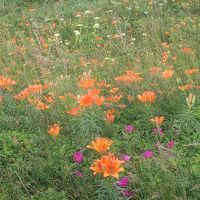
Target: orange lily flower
{"points": [[99, 100], [108, 165], [110, 117], [98, 38], [31, 89], [74, 111], [191, 71], [147, 96], [103, 84], [94, 92], [22, 95], [97, 167], [4, 82], [92, 97], [167, 74], [62, 97], [115, 98], [187, 50], [36, 88], [101, 145], [86, 100], [86, 83], [158, 120], [49, 99], [54, 130], [42, 106]]}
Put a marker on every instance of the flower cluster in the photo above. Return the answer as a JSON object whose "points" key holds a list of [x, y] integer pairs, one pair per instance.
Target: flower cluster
{"points": [[5, 82], [30, 90], [91, 98], [109, 164], [147, 97], [129, 77]]}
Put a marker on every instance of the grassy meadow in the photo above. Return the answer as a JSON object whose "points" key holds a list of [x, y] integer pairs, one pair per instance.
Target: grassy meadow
{"points": [[99, 99]]}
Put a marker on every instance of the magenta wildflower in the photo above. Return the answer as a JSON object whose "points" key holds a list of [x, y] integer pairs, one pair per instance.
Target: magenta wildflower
{"points": [[148, 154], [78, 157], [123, 182], [125, 157], [129, 128], [158, 131], [127, 193], [170, 144], [78, 174]]}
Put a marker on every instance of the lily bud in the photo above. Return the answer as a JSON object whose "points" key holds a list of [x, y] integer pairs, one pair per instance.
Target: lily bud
{"points": [[190, 100]]}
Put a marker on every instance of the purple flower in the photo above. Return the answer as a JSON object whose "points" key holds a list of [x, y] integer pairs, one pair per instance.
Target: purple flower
{"points": [[129, 128], [170, 144], [78, 174], [125, 157], [78, 157], [127, 193], [158, 131], [123, 182], [148, 154]]}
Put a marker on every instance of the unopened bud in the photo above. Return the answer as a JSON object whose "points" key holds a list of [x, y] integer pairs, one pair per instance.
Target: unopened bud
{"points": [[190, 100]]}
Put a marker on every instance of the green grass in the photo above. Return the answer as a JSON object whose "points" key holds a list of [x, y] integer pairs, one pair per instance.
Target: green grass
{"points": [[35, 165]]}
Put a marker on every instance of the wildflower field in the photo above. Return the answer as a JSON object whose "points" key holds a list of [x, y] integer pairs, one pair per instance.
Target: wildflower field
{"points": [[99, 99]]}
